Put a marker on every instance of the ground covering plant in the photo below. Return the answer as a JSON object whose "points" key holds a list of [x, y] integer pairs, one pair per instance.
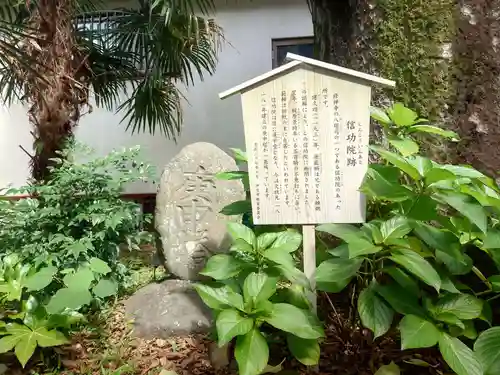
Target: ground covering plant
{"points": [[60, 246], [422, 262]]}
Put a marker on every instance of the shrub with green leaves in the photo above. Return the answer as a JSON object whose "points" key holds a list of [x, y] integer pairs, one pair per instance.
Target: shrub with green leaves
{"points": [[59, 247], [258, 288], [412, 260]]}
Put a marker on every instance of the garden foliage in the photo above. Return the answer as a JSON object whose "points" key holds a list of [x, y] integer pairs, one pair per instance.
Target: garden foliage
{"points": [[414, 262], [59, 246]]}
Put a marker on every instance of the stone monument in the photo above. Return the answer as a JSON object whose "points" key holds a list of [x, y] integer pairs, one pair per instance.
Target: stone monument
{"points": [[191, 228], [188, 203]]}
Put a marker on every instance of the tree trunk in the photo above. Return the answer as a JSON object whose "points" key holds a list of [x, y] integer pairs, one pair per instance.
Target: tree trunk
{"points": [[57, 99], [332, 23], [476, 106]]}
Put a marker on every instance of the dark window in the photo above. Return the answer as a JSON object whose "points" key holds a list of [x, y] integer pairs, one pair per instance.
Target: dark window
{"points": [[299, 46]]}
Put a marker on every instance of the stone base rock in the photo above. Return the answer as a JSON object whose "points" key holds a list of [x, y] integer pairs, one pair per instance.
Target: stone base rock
{"points": [[169, 308]]}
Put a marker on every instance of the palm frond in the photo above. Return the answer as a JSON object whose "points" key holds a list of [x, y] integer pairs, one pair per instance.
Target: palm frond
{"points": [[168, 8], [154, 104], [165, 54], [108, 74]]}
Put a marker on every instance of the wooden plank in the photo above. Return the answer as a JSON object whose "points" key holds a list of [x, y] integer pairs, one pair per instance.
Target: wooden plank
{"points": [[309, 256], [340, 69], [306, 136], [245, 85]]}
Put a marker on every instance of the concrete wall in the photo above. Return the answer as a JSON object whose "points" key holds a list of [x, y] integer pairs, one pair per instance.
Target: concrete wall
{"points": [[249, 27]]}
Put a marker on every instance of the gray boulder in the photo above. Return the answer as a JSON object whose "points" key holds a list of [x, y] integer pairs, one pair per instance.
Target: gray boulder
{"points": [[170, 308]]}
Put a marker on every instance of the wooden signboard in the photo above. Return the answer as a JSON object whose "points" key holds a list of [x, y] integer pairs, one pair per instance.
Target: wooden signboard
{"points": [[307, 126]]}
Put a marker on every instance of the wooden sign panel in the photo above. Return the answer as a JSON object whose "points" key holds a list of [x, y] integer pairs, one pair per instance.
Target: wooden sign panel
{"points": [[306, 135]]}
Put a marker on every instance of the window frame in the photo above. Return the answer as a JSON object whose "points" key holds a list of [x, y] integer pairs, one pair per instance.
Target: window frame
{"points": [[293, 41]]}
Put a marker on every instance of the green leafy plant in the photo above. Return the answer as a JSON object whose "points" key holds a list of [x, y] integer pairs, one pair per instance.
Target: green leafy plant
{"points": [[413, 259], [243, 207], [59, 246], [258, 287]]}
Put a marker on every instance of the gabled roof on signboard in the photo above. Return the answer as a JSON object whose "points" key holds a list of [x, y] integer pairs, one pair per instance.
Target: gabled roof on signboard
{"points": [[299, 60]]}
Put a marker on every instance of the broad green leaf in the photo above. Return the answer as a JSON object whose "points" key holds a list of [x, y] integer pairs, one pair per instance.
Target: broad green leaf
{"points": [[291, 319], [237, 208], [471, 209], [447, 284], [403, 279], [99, 266], [421, 164], [373, 232], [487, 313], [379, 115], [360, 247], [375, 314], [258, 287], [105, 288], [46, 338], [265, 240], [334, 274], [399, 299], [435, 130], [346, 232], [306, 351], [388, 172], [341, 251], [420, 207], [458, 356], [230, 323], [239, 155], [492, 239], [398, 162], [396, 227], [289, 241], [449, 319], [251, 353], [81, 279], [487, 350], [69, 298], [233, 175], [436, 238], [25, 348], [219, 298], [390, 369], [417, 333], [241, 246], [463, 306], [463, 171], [417, 362], [41, 279], [438, 174], [8, 343], [418, 266], [279, 256], [222, 267], [401, 115], [379, 188], [456, 265], [405, 146], [495, 282], [294, 275], [239, 231], [470, 330], [296, 295]]}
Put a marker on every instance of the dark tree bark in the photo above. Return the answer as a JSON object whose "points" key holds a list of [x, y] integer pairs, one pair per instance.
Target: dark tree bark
{"points": [[476, 106], [57, 98], [333, 31]]}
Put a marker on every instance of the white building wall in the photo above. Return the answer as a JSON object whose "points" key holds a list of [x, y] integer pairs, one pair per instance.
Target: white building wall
{"points": [[249, 27]]}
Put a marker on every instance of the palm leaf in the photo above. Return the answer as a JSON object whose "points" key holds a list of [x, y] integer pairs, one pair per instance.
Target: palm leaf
{"points": [[154, 104]]}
